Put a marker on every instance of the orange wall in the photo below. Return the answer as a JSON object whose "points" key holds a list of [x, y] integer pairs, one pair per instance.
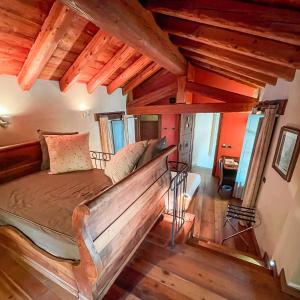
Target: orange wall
{"points": [[233, 125], [232, 131]]}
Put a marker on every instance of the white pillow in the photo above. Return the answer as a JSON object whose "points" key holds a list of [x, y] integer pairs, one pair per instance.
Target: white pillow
{"points": [[69, 153], [124, 161]]}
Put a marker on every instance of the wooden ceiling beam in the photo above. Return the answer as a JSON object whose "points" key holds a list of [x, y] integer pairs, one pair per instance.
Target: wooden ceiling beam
{"points": [[166, 91], [131, 23], [233, 76], [52, 31], [86, 57], [189, 108], [234, 68], [109, 68], [259, 20], [218, 94], [238, 59], [130, 72], [253, 46], [140, 78]]}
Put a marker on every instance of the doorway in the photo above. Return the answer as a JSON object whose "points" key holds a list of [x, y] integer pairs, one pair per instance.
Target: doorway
{"points": [[148, 127], [205, 140]]}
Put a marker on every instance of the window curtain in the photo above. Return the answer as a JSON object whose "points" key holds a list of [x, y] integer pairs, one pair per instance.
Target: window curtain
{"points": [[248, 143], [105, 135], [259, 157]]}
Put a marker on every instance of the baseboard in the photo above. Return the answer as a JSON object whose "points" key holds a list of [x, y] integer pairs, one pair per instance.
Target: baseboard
{"points": [[256, 246], [285, 288]]}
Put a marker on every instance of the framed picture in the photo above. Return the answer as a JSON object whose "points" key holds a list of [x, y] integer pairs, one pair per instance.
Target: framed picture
{"points": [[287, 152]]}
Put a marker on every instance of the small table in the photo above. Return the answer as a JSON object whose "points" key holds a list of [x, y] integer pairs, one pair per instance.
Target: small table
{"points": [[228, 172]]}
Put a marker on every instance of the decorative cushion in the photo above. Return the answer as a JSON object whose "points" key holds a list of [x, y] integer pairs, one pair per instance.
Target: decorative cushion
{"points": [[69, 153], [153, 149], [124, 161], [45, 154]]}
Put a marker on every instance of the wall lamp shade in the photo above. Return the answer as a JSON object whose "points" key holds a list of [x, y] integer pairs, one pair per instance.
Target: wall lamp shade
{"points": [[4, 121]]}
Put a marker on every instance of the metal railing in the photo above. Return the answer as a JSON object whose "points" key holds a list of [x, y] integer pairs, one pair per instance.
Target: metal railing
{"points": [[176, 195], [99, 159], [175, 205]]}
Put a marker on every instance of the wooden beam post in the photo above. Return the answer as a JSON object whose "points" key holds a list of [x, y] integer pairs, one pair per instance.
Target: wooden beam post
{"points": [[87, 56], [191, 108], [130, 72], [139, 78], [183, 95], [180, 96], [52, 31], [106, 71], [131, 23]]}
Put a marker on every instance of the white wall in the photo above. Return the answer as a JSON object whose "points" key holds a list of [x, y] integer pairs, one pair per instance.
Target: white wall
{"points": [[205, 134], [279, 201], [46, 107]]}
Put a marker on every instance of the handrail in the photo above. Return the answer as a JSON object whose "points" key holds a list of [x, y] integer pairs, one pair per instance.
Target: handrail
{"points": [[176, 197]]}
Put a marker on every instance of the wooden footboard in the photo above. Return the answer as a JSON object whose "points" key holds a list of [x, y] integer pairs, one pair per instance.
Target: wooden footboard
{"points": [[110, 228]]}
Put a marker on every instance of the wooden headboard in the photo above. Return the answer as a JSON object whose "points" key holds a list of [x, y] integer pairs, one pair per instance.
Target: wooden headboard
{"points": [[19, 160]]}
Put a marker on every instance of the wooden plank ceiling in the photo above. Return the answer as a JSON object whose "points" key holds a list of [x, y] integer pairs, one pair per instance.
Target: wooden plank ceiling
{"points": [[122, 44]]}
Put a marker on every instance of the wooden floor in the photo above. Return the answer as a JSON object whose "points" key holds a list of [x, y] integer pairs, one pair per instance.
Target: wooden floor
{"points": [[209, 209], [185, 272], [198, 270]]}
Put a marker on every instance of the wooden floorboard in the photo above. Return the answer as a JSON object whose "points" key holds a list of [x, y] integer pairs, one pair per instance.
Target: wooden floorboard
{"points": [[155, 272], [20, 281], [209, 209], [160, 272]]}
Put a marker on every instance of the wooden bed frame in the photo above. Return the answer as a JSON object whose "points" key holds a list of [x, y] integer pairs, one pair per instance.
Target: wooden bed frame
{"points": [[108, 229]]}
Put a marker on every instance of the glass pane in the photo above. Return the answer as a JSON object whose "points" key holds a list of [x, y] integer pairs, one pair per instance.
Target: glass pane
{"points": [[131, 130], [249, 139], [118, 134]]}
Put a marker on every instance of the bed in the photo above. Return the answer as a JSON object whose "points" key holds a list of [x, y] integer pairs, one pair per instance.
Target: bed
{"points": [[78, 228]]}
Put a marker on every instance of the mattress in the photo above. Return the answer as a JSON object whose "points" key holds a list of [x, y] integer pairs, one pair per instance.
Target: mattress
{"points": [[41, 206], [192, 183]]}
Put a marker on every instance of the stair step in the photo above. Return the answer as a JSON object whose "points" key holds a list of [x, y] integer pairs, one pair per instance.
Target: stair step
{"points": [[184, 289], [161, 233], [211, 271], [231, 253], [116, 292], [145, 287]]}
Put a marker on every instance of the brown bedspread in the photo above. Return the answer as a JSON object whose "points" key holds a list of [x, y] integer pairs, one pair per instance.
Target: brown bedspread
{"points": [[47, 201]]}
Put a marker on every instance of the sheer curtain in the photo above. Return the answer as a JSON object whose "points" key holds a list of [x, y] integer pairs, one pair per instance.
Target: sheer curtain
{"points": [[259, 157], [105, 135], [116, 133], [248, 143]]}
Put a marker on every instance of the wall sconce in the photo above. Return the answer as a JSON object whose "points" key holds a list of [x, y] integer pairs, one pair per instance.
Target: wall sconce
{"points": [[85, 114], [4, 121]]}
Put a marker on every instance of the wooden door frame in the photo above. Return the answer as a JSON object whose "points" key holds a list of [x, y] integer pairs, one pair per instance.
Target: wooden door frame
{"points": [[213, 173]]}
